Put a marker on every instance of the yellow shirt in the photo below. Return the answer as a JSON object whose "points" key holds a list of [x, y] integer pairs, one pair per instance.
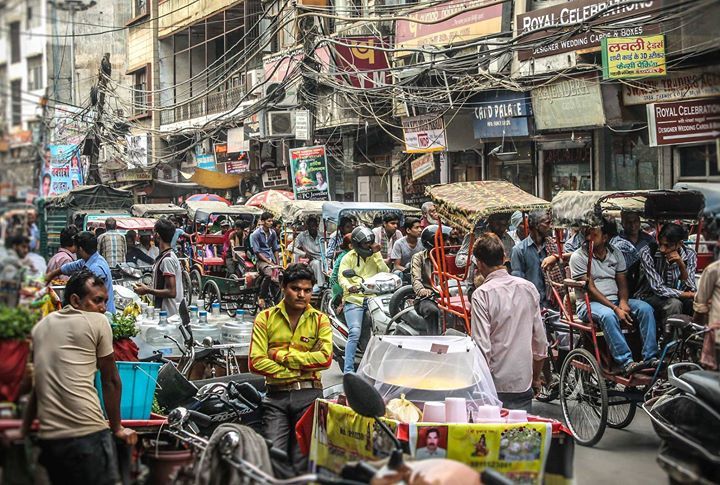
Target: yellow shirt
{"points": [[284, 356], [362, 267]]}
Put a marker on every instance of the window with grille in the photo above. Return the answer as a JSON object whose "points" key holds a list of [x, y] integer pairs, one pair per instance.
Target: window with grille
{"points": [[35, 73], [140, 92], [16, 97], [15, 42]]}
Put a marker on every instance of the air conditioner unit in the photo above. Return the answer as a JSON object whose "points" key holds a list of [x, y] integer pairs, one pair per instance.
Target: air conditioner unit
{"points": [[280, 123], [253, 79]]}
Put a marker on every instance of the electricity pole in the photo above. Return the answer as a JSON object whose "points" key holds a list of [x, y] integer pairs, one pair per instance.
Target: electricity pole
{"points": [[72, 6]]}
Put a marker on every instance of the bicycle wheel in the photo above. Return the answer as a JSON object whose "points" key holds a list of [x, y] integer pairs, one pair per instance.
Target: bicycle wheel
{"points": [[583, 397], [621, 410], [196, 286], [187, 288]]}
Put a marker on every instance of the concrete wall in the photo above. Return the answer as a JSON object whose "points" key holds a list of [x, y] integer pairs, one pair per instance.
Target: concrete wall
{"points": [[175, 15]]}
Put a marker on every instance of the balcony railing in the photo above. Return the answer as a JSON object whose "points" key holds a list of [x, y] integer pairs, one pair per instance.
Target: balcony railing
{"points": [[213, 103]]}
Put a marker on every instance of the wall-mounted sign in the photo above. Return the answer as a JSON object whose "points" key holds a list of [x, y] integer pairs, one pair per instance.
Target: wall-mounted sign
{"points": [[681, 122], [237, 141], [422, 166], [424, 134], [206, 162], [502, 113], [308, 167], [695, 83], [302, 125], [472, 24], [230, 162], [548, 23], [361, 62], [61, 170], [570, 103], [630, 57]]}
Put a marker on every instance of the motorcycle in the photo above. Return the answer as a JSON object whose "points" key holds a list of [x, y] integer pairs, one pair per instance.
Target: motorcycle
{"points": [[377, 320], [686, 417]]}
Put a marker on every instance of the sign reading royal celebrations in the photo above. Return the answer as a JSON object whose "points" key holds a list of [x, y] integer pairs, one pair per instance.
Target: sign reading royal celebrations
{"points": [[692, 121], [630, 57]]}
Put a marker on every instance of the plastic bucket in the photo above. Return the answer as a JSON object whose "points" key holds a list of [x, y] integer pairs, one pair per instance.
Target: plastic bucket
{"points": [[138, 388]]}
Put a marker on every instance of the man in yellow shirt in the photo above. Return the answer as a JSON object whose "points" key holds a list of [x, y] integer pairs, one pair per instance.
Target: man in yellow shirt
{"points": [[291, 344], [366, 260]]}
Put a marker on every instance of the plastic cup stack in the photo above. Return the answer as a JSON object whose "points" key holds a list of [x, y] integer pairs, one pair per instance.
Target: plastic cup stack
{"points": [[517, 416], [487, 414], [434, 412], [455, 410]]}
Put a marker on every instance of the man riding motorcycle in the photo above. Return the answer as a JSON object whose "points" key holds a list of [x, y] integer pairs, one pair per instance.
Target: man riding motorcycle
{"points": [[366, 260], [421, 273]]}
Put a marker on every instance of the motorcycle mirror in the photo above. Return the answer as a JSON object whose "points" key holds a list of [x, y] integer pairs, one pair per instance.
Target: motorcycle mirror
{"points": [[349, 273], [362, 397]]}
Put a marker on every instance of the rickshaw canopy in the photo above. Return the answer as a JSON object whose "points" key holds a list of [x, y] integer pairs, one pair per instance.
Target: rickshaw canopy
{"points": [[465, 203], [711, 191], [299, 210], [150, 210], [579, 208], [124, 223], [365, 212], [200, 211]]}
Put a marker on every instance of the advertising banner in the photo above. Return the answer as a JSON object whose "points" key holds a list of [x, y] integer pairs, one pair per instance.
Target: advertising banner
{"points": [[360, 62], [308, 167], [424, 134], [502, 114], [206, 162], [566, 17], [676, 86], [465, 22], [682, 122], [230, 162], [61, 170], [422, 166], [629, 57], [570, 103]]}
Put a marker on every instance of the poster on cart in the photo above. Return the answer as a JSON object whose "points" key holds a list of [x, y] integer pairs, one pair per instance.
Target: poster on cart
{"points": [[308, 167], [61, 170]]}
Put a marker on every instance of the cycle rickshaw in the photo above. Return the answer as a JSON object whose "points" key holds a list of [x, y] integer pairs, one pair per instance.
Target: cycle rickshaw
{"points": [[209, 277], [593, 394]]}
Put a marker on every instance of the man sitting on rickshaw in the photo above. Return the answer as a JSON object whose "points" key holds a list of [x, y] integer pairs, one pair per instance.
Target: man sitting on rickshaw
{"points": [[421, 270], [388, 235], [667, 279], [346, 224], [308, 244], [610, 306], [265, 246], [528, 255]]}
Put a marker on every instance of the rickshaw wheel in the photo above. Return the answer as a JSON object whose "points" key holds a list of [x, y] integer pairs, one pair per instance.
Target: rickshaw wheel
{"points": [[583, 397], [211, 293], [195, 284], [620, 415], [187, 288]]}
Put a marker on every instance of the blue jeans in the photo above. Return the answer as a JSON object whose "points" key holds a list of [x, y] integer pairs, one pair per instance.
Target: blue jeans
{"points": [[353, 318], [644, 319]]}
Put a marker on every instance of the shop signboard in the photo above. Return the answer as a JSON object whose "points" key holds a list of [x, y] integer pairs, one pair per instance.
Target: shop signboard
{"points": [[308, 167], [541, 29], [680, 122], [61, 170], [570, 103], [413, 191], [133, 176], [465, 21], [631, 57], [676, 86], [502, 114], [206, 162], [424, 133], [422, 165], [232, 162], [361, 61]]}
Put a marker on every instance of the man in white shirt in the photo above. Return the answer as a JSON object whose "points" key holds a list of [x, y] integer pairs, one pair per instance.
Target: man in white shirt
{"points": [[387, 235], [309, 245], [507, 327]]}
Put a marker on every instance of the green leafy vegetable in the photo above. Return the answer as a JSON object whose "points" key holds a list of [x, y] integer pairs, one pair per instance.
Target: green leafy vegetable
{"points": [[16, 323]]}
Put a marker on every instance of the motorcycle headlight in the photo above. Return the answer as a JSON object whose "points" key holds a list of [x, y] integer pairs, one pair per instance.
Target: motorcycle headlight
{"points": [[387, 285]]}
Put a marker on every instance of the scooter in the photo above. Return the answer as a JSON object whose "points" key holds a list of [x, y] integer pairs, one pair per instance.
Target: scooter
{"points": [[686, 417], [377, 320]]}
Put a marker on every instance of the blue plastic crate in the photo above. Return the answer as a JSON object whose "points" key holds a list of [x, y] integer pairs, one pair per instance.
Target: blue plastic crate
{"points": [[138, 388]]}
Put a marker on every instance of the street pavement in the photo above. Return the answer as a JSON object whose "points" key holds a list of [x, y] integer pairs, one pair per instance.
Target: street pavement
{"points": [[622, 456]]}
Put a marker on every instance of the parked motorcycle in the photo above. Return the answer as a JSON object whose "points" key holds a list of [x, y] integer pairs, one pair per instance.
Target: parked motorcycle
{"points": [[687, 419]]}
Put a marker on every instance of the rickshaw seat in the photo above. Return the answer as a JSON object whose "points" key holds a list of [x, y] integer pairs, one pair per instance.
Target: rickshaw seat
{"points": [[210, 239], [213, 261], [704, 259], [457, 303]]}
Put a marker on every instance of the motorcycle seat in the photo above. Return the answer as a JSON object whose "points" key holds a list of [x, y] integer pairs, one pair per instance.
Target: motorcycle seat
{"points": [[706, 384]]}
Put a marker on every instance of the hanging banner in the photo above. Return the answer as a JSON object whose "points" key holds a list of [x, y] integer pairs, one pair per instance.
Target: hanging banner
{"points": [[630, 57], [424, 134], [61, 170], [231, 162], [676, 86], [308, 167], [422, 166], [361, 63], [693, 121]]}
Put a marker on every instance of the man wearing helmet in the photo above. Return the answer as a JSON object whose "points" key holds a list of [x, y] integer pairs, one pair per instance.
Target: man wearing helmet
{"points": [[366, 261], [421, 269]]}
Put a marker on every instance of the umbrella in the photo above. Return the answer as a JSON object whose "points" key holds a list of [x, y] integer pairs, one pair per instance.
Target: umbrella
{"points": [[270, 197], [208, 197]]}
